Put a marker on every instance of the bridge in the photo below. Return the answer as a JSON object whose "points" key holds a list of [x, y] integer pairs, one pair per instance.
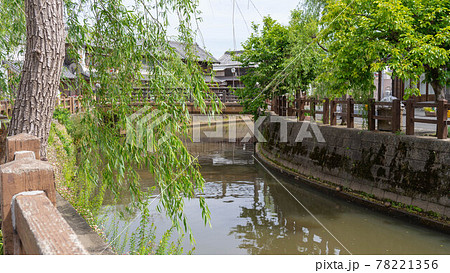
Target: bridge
{"points": [[73, 103]]}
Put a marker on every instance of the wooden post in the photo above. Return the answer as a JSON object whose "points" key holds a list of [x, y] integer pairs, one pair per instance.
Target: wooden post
{"points": [[312, 108], [272, 104], [71, 105], [275, 104], [290, 108], [350, 112], [370, 107], [396, 116], [280, 105], [22, 142], [371, 114], [24, 174], [410, 117], [77, 105], [326, 111], [301, 113], [380, 75], [441, 114], [333, 119]]}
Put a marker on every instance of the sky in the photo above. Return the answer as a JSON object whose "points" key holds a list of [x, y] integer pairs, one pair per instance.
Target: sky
{"points": [[216, 26], [217, 21]]}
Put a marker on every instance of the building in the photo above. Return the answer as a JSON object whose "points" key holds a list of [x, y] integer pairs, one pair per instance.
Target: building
{"points": [[398, 86], [205, 59], [228, 71]]}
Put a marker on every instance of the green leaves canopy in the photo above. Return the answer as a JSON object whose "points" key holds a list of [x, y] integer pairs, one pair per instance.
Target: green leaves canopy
{"points": [[287, 59], [411, 37]]}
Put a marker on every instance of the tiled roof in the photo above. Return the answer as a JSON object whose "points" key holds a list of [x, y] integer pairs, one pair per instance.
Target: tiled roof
{"points": [[202, 55], [227, 57]]}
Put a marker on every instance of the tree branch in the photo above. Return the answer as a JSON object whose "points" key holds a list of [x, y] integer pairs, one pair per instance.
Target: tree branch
{"points": [[326, 50]]}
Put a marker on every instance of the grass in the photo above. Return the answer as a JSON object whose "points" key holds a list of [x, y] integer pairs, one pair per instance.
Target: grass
{"points": [[1, 242]]}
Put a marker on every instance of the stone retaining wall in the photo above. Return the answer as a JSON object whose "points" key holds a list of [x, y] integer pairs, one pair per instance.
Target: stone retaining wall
{"points": [[408, 169]]}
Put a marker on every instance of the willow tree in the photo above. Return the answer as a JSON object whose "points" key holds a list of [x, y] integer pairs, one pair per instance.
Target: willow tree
{"points": [[128, 51], [35, 98]]}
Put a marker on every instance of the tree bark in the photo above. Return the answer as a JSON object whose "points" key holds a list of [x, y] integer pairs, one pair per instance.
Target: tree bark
{"points": [[41, 72], [439, 90]]}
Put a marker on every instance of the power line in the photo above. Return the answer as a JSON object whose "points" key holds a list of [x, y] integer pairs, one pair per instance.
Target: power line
{"points": [[256, 9], [301, 204], [245, 21], [234, 31], [276, 80]]}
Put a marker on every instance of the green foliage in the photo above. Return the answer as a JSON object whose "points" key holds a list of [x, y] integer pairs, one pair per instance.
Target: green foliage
{"points": [[62, 115], [366, 36], [143, 241], [304, 61], [66, 142], [268, 48], [107, 160], [64, 155], [287, 60], [314, 6], [11, 38], [1, 242], [116, 39]]}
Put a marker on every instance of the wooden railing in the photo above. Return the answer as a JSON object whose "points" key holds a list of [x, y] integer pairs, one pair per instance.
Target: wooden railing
{"points": [[441, 121], [5, 108], [31, 224], [386, 113], [394, 118], [73, 104], [313, 103]]}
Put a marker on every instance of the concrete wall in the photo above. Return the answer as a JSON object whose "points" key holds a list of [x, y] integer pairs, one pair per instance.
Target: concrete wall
{"points": [[407, 169]]}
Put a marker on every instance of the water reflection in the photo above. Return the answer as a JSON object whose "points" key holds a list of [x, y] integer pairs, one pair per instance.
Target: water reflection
{"points": [[253, 214]]}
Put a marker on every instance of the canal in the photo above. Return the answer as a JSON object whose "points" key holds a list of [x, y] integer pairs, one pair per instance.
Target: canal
{"points": [[253, 212]]}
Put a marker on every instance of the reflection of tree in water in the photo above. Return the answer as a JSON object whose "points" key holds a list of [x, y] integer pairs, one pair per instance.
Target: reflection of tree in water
{"points": [[277, 224]]}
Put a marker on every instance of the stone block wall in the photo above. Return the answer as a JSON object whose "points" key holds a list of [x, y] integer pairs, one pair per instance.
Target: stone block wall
{"points": [[408, 169]]}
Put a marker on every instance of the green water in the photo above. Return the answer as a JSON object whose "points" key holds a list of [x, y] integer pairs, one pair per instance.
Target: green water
{"points": [[251, 213]]}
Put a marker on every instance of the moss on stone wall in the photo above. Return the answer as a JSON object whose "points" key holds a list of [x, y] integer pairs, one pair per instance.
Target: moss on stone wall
{"points": [[323, 158], [404, 165], [426, 180], [363, 168]]}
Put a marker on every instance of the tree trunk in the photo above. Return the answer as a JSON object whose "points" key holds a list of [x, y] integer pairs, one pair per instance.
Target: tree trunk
{"points": [[439, 90], [39, 84]]}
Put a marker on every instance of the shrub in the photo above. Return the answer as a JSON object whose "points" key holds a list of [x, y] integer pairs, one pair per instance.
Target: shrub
{"points": [[1, 242], [61, 115]]}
